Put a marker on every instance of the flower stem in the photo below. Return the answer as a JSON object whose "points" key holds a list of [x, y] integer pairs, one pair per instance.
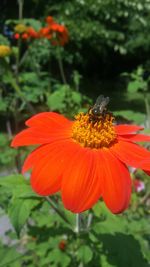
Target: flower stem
{"points": [[89, 220], [9, 130], [20, 3], [147, 107], [77, 228], [54, 206], [21, 95], [23, 58], [18, 60], [83, 222], [61, 68]]}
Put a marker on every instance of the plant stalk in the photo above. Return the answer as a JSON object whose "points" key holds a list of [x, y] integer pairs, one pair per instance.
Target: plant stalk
{"points": [[61, 68], [54, 206], [20, 4], [147, 107], [77, 228]]}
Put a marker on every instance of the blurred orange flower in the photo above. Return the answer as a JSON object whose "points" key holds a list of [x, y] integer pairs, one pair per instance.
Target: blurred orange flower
{"points": [[61, 34], [16, 36], [49, 20], [56, 33], [85, 160], [45, 32], [32, 33], [25, 36], [62, 245]]}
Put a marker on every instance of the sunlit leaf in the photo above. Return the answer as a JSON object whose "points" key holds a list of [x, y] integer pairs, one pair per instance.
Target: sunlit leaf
{"points": [[19, 211]]}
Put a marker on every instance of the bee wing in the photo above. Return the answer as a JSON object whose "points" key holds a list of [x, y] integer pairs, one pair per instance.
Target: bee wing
{"points": [[106, 99], [99, 100]]}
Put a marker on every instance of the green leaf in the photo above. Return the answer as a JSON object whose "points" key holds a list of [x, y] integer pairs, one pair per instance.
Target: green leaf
{"points": [[18, 186], [65, 100], [56, 100], [7, 154], [12, 180], [110, 223], [36, 24], [3, 40], [8, 256], [134, 86], [76, 97], [138, 117], [85, 254], [122, 250], [19, 212], [104, 261], [58, 257]]}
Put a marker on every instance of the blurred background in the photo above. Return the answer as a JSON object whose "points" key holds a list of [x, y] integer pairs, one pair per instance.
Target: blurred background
{"points": [[60, 56]]}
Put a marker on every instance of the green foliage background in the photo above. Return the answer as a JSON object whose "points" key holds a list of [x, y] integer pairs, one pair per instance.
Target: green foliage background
{"points": [[107, 53]]}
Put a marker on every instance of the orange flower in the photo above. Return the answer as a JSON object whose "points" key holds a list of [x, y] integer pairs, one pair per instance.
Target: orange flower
{"points": [[62, 245], [32, 33], [56, 27], [25, 32], [56, 33], [61, 34], [16, 36], [25, 36], [85, 159], [49, 20], [45, 32]]}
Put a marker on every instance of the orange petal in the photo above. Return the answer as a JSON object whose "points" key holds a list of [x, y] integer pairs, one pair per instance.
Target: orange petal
{"points": [[132, 154], [35, 156], [42, 132], [135, 137], [122, 129], [48, 164], [81, 187], [47, 119], [116, 182], [33, 137]]}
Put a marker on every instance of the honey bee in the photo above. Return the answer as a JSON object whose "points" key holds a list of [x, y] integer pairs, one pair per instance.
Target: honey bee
{"points": [[99, 109]]}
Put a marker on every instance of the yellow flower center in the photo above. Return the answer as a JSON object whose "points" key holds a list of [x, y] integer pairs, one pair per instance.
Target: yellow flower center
{"points": [[20, 28], [94, 131]]}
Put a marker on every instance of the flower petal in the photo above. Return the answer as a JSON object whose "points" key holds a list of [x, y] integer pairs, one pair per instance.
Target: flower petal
{"points": [[44, 129], [46, 119], [34, 157], [33, 137], [48, 163], [81, 187], [135, 137], [116, 188], [122, 129], [132, 154]]}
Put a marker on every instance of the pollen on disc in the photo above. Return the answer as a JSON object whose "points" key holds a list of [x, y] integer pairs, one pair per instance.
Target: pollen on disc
{"points": [[94, 134]]}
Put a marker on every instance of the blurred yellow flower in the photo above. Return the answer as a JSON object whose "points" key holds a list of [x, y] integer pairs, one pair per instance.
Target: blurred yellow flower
{"points": [[20, 28], [5, 50]]}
